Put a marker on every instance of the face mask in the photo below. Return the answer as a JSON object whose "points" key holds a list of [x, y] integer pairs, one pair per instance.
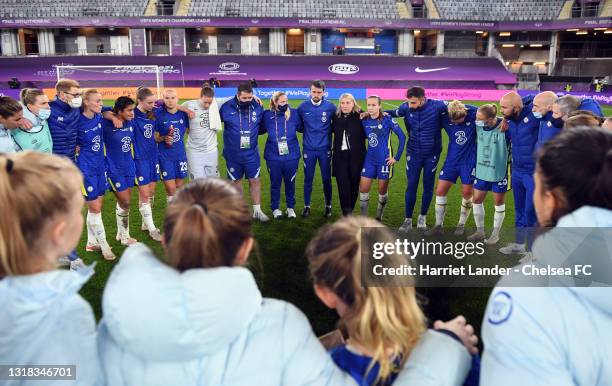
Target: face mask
{"points": [[244, 105], [537, 114], [557, 122], [283, 108], [75, 103], [44, 114], [480, 123]]}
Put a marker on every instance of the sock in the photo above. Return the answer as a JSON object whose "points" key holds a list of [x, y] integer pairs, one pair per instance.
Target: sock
{"points": [[364, 200], [91, 234], [382, 203], [123, 222], [147, 216], [466, 207], [168, 199], [479, 216], [498, 218], [440, 210], [256, 208], [94, 221]]}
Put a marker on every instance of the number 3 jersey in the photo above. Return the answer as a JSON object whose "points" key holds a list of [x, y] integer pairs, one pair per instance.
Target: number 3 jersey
{"points": [[461, 139], [378, 134], [118, 146], [179, 123], [145, 146], [90, 140]]}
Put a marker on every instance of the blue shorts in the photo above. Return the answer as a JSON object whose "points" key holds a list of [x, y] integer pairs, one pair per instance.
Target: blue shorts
{"points": [[173, 170], [94, 186], [465, 172], [237, 170], [120, 183], [495, 187], [377, 171], [147, 171]]}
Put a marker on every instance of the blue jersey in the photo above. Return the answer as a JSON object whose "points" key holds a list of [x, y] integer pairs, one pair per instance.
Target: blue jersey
{"points": [[277, 127], [118, 147], [145, 146], [317, 124], [357, 366], [241, 126], [424, 126], [378, 134], [180, 122], [546, 131], [461, 139], [90, 140]]}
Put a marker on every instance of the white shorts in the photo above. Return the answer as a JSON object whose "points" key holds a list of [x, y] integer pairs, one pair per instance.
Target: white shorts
{"points": [[202, 165]]}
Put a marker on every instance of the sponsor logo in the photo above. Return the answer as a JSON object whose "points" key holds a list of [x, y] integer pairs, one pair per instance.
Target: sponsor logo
{"points": [[229, 66], [421, 70], [343, 69]]}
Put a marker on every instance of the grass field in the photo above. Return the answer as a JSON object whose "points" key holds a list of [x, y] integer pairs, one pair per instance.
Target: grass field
{"points": [[279, 264]]}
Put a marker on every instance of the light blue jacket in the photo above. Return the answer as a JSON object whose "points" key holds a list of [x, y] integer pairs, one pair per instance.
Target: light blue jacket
{"points": [[212, 327], [559, 334], [44, 321]]}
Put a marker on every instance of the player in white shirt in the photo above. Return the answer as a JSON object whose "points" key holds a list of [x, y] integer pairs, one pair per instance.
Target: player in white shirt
{"points": [[202, 150]]}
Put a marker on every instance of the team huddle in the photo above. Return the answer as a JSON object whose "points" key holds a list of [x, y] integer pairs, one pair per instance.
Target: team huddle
{"points": [[136, 143]]}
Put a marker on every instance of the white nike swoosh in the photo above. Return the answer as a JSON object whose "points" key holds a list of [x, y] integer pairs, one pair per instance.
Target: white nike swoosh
{"points": [[418, 69]]}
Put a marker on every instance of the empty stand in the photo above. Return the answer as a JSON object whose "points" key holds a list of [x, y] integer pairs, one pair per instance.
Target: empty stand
{"points": [[525, 10]]}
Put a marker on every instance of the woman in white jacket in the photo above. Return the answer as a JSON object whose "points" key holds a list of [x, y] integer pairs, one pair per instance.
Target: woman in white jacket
{"points": [[200, 319], [556, 329]]}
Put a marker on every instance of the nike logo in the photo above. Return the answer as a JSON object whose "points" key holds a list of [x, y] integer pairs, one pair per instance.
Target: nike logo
{"points": [[418, 69]]}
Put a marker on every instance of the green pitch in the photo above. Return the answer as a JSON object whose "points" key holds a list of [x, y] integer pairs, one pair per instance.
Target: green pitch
{"points": [[279, 264]]}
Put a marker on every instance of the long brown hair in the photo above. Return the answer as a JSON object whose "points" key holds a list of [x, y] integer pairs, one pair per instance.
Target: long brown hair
{"points": [[206, 224], [34, 188], [386, 320], [143, 93]]}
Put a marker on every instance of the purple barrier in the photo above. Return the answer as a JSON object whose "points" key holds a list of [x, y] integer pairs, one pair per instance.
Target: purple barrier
{"points": [[305, 68], [443, 94], [270, 22], [9, 92]]}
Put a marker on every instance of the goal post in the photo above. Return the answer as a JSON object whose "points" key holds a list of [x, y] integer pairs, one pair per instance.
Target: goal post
{"points": [[114, 76]]}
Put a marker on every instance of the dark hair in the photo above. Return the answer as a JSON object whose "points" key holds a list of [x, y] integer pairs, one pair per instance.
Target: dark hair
{"points": [[380, 110], [207, 91], [318, 84], [206, 224], [587, 182], [122, 103], [9, 106], [415, 92], [245, 87]]}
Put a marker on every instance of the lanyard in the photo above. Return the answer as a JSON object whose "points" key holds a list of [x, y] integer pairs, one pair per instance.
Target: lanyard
{"points": [[276, 126], [248, 119]]}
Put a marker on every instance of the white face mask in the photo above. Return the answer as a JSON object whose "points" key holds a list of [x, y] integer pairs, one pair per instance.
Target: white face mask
{"points": [[75, 103], [537, 114], [44, 114], [480, 123]]}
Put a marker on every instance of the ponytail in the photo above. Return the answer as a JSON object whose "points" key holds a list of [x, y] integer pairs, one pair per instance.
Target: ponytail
{"points": [[28, 95], [206, 224], [34, 188], [489, 110], [386, 320]]}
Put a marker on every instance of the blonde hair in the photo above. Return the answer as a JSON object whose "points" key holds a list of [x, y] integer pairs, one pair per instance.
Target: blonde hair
{"points": [[64, 85], [34, 188], [356, 107], [274, 101], [387, 320], [28, 95], [456, 110]]}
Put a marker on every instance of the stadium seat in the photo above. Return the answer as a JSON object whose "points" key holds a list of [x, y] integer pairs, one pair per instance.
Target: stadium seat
{"points": [[526, 10]]}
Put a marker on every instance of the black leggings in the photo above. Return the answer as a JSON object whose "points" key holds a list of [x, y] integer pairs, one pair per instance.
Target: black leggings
{"points": [[348, 174]]}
